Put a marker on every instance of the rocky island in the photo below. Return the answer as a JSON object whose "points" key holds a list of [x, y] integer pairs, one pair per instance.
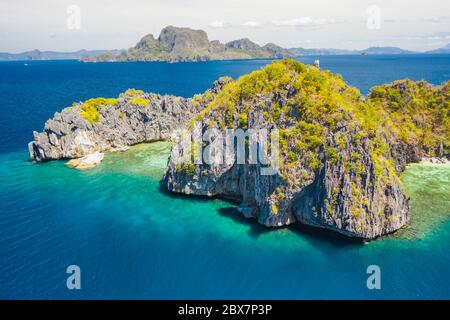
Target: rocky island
{"points": [[341, 153], [111, 124], [176, 44]]}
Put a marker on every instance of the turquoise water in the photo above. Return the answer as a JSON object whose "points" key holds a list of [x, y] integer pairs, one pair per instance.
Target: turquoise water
{"points": [[133, 240]]}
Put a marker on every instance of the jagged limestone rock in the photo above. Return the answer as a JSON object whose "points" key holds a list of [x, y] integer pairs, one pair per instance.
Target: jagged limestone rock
{"points": [[340, 153], [69, 135]]}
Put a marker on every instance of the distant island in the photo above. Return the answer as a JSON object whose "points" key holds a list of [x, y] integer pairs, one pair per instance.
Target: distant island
{"points": [[53, 55], [443, 50], [184, 44], [368, 51], [176, 44]]}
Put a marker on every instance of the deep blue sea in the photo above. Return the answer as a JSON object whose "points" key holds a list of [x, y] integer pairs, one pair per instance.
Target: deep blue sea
{"points": [[133, 240]]}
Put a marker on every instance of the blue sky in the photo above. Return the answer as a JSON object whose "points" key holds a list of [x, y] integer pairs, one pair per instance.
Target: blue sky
{"points": [[110, 24]]}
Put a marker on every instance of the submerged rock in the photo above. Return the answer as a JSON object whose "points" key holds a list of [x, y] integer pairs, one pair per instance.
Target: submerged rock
{"points": [[435, 160], [87, 162], [120, 149]]}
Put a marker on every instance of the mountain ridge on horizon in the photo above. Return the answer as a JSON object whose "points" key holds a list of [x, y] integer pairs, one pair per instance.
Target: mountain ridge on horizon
{"points": [[177, 44], [36, 54]]}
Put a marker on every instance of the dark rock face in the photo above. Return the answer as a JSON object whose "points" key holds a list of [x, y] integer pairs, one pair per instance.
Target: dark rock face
{"points": [[356, 205], [172, 38], [69, 135], [148, 42], [242, 44], [347, 182], [277, 51]]}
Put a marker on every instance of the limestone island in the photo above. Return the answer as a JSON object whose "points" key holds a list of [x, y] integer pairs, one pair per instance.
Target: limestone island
{"points": [[176, 44], [341, 152]]}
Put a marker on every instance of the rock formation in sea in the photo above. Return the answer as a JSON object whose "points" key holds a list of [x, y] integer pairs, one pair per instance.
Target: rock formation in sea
{"points": [[176, 44], [87, 162], [340, 154], [100, 124]]}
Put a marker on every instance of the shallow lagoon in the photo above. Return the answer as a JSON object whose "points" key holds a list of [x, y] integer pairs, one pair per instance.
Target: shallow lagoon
{"points": [[133, 240]]}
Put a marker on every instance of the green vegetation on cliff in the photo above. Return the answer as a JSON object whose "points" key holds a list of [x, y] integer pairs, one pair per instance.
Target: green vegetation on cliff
{"points": [[325, 122], [134, 92], [141, 102], [418, 113], [89, 109], [317, 101]]}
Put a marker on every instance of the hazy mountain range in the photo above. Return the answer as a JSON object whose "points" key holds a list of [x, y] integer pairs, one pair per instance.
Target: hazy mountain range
{"points": [[368, 51], [184, 44], [53, 55], [445, 49]]}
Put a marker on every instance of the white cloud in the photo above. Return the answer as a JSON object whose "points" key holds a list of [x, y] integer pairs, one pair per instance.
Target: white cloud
{"points": [[321, 21], [27, 24], [252, 24], [294, 22], [303, 21], [217, 24]]}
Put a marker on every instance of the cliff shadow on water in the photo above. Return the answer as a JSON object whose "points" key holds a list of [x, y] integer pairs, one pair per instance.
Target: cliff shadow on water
{"points": [[311, 234], [426, 185]]}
